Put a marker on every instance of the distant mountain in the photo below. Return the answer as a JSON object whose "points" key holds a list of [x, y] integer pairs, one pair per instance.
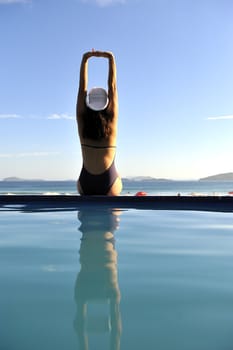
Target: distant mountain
{"points": [[218, 177], [13, 178], [143, 178]]}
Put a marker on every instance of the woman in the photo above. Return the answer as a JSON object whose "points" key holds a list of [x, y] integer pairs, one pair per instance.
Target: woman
{"points": [[97, 126]]}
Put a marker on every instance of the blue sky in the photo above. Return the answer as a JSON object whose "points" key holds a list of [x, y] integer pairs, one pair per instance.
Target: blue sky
{"points": [[175, 76]]}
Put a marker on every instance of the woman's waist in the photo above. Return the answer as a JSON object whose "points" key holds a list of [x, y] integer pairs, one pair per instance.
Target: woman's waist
{"points": [[97, 165], [98, 146]]}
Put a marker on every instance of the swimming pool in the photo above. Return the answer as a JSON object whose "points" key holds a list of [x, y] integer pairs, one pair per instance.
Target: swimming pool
{"points": [[105, 278]]}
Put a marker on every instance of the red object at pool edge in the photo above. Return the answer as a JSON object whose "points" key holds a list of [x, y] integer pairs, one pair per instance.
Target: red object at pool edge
{"points": [[141, 194]]}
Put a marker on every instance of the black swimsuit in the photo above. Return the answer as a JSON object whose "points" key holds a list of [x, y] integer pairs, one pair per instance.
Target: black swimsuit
{"points": [[98, 184]]}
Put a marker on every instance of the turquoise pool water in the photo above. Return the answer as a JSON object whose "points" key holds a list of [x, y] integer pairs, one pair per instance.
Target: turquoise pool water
{"points": [[101, 279]]}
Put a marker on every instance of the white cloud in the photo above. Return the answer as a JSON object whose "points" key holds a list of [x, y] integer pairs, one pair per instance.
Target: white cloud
{"points": [[37, 154], [6, 155], [60, 116], [222, 117], [54, 116], [10, 116], [28, 154], [9, 2], [104, 3]]}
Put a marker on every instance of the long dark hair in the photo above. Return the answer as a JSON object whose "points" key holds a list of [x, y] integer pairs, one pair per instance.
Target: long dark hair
{"points": [[96, 124]]}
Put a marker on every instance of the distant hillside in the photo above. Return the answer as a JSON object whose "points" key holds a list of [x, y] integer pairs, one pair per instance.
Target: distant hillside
{"points": [[13, 178], [219, 177], [143, 178]]}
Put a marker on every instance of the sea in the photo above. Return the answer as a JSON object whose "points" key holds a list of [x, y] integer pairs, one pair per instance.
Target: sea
{"points": [[130, 187]]}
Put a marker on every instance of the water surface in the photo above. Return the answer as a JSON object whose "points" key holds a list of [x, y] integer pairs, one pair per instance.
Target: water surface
{"points": [[127, 279]]}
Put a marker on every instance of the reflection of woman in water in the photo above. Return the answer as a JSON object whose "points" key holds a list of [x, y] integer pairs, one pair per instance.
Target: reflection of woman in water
{"points": [[97, 281], [97, 116]]}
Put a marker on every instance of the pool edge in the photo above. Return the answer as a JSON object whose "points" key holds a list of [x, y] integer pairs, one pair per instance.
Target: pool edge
{"points": [[207, 203]]}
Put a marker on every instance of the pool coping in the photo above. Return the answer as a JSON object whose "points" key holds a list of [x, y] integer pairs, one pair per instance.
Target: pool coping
{"points": [[200, 203]]}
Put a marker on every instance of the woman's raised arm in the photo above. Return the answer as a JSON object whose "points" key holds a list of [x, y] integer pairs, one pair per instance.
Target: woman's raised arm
{"points": [[112, 81], [112, 74], [83, 83]]}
